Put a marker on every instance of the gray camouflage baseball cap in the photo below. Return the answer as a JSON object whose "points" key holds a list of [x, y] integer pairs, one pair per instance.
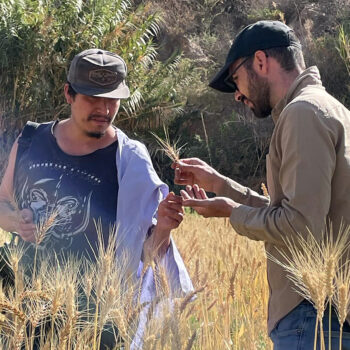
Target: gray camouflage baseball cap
{"points": [[99, 73]]}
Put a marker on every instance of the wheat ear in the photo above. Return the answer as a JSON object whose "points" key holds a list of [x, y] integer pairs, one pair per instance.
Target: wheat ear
{"points": [[171, 150]]}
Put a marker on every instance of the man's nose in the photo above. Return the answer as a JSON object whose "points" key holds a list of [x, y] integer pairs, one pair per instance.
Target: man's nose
{"points": [[103, 106]]}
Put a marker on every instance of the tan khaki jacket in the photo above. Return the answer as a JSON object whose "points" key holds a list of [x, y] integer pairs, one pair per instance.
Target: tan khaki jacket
{"points": [[308, 179]]}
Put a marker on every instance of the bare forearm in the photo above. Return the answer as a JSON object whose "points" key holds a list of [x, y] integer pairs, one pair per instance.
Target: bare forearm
{"points": [[8, 216], [161, 240], [157, 244]]}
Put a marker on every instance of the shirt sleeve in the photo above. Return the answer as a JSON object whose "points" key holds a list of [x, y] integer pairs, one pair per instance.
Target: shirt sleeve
{"points": [[305, 147], [242, 194]]}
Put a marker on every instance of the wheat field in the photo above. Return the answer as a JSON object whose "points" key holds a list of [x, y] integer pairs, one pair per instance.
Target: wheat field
{"points": [[231, 311], [228, 312]]}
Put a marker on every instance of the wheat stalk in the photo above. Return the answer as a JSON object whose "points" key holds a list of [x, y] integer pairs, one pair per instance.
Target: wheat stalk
{"points": [[212, 328], [265, 191], [44, 224], [311, 266], [191, 340], [106, 307], [171, 150], [174, 327], [342, 296], [333, 251]]}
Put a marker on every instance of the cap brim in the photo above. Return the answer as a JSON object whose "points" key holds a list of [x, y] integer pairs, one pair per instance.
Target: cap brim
{"points": [[218, 82], [122, 91]]}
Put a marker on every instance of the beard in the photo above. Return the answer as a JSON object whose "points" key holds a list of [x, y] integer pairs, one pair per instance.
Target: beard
{"points": [[259, 90], [97, 134]]}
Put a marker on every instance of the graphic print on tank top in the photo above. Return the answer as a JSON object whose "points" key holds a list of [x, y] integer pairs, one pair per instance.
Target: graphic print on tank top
{"points": [[64, 215], [67, 194]]}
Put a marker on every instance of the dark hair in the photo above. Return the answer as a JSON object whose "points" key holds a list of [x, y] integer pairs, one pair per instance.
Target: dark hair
{"points": [[71, 91], [290, 57]]}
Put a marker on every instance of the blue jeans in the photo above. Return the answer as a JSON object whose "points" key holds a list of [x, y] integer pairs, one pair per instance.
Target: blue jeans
{"points": [[297, 329]]}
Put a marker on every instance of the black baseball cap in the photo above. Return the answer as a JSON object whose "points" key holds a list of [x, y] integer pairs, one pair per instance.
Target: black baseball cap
{"points": [[100, 73], [257, 36]]}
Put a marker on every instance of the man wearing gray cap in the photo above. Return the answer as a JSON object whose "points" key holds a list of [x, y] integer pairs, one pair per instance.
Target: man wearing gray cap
{"points": [[308, 168], [86, 171]]}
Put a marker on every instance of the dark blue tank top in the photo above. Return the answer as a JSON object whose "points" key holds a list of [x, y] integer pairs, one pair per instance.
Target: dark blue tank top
{"points": [[77, 193]]}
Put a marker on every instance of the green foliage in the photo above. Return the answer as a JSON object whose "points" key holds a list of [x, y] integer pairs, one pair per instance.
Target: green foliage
{"points": [[266, 13], [237, 150], [162, 92], [336, 78], [344, 45], [39, 38]]}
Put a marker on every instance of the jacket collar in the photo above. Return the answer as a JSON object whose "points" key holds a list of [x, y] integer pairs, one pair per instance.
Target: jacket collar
{"points": [[310, 76]]}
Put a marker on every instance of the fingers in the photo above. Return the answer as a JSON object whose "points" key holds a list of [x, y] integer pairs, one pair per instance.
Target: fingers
{"points": [[186, 170], [196, 172], [182, 178], [189, 168], [170, 210], [23, 227], [173, 198], [173, 214], [190, 161], [27, 232], [190, 191], [169, 218], [198, 203], [199, 192], [173, 202], [193, 192], [26, 216], [26, 228], [203, 194], [185, 195]]}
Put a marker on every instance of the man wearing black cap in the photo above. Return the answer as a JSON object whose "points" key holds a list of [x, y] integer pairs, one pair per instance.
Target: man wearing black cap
{"points": [[308, 168], [82, 170]]}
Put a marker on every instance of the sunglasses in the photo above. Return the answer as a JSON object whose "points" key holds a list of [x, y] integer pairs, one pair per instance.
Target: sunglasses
{"points": [[229, 81]]}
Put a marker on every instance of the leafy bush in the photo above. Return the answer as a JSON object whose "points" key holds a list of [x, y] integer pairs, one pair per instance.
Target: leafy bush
{"points": [[38, 39], [170, 61], [344, 45]]}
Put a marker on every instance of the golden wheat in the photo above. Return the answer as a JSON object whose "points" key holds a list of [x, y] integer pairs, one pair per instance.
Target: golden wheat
{"points": [[312, 266], [228, 307], [172, 150]]}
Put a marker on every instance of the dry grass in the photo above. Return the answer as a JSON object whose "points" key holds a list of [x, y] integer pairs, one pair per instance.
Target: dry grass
{"points": [[229, 310]]}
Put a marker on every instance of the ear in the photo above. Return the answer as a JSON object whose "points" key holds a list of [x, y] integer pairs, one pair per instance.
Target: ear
{"points": [[68, 97], [260, 63]]}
